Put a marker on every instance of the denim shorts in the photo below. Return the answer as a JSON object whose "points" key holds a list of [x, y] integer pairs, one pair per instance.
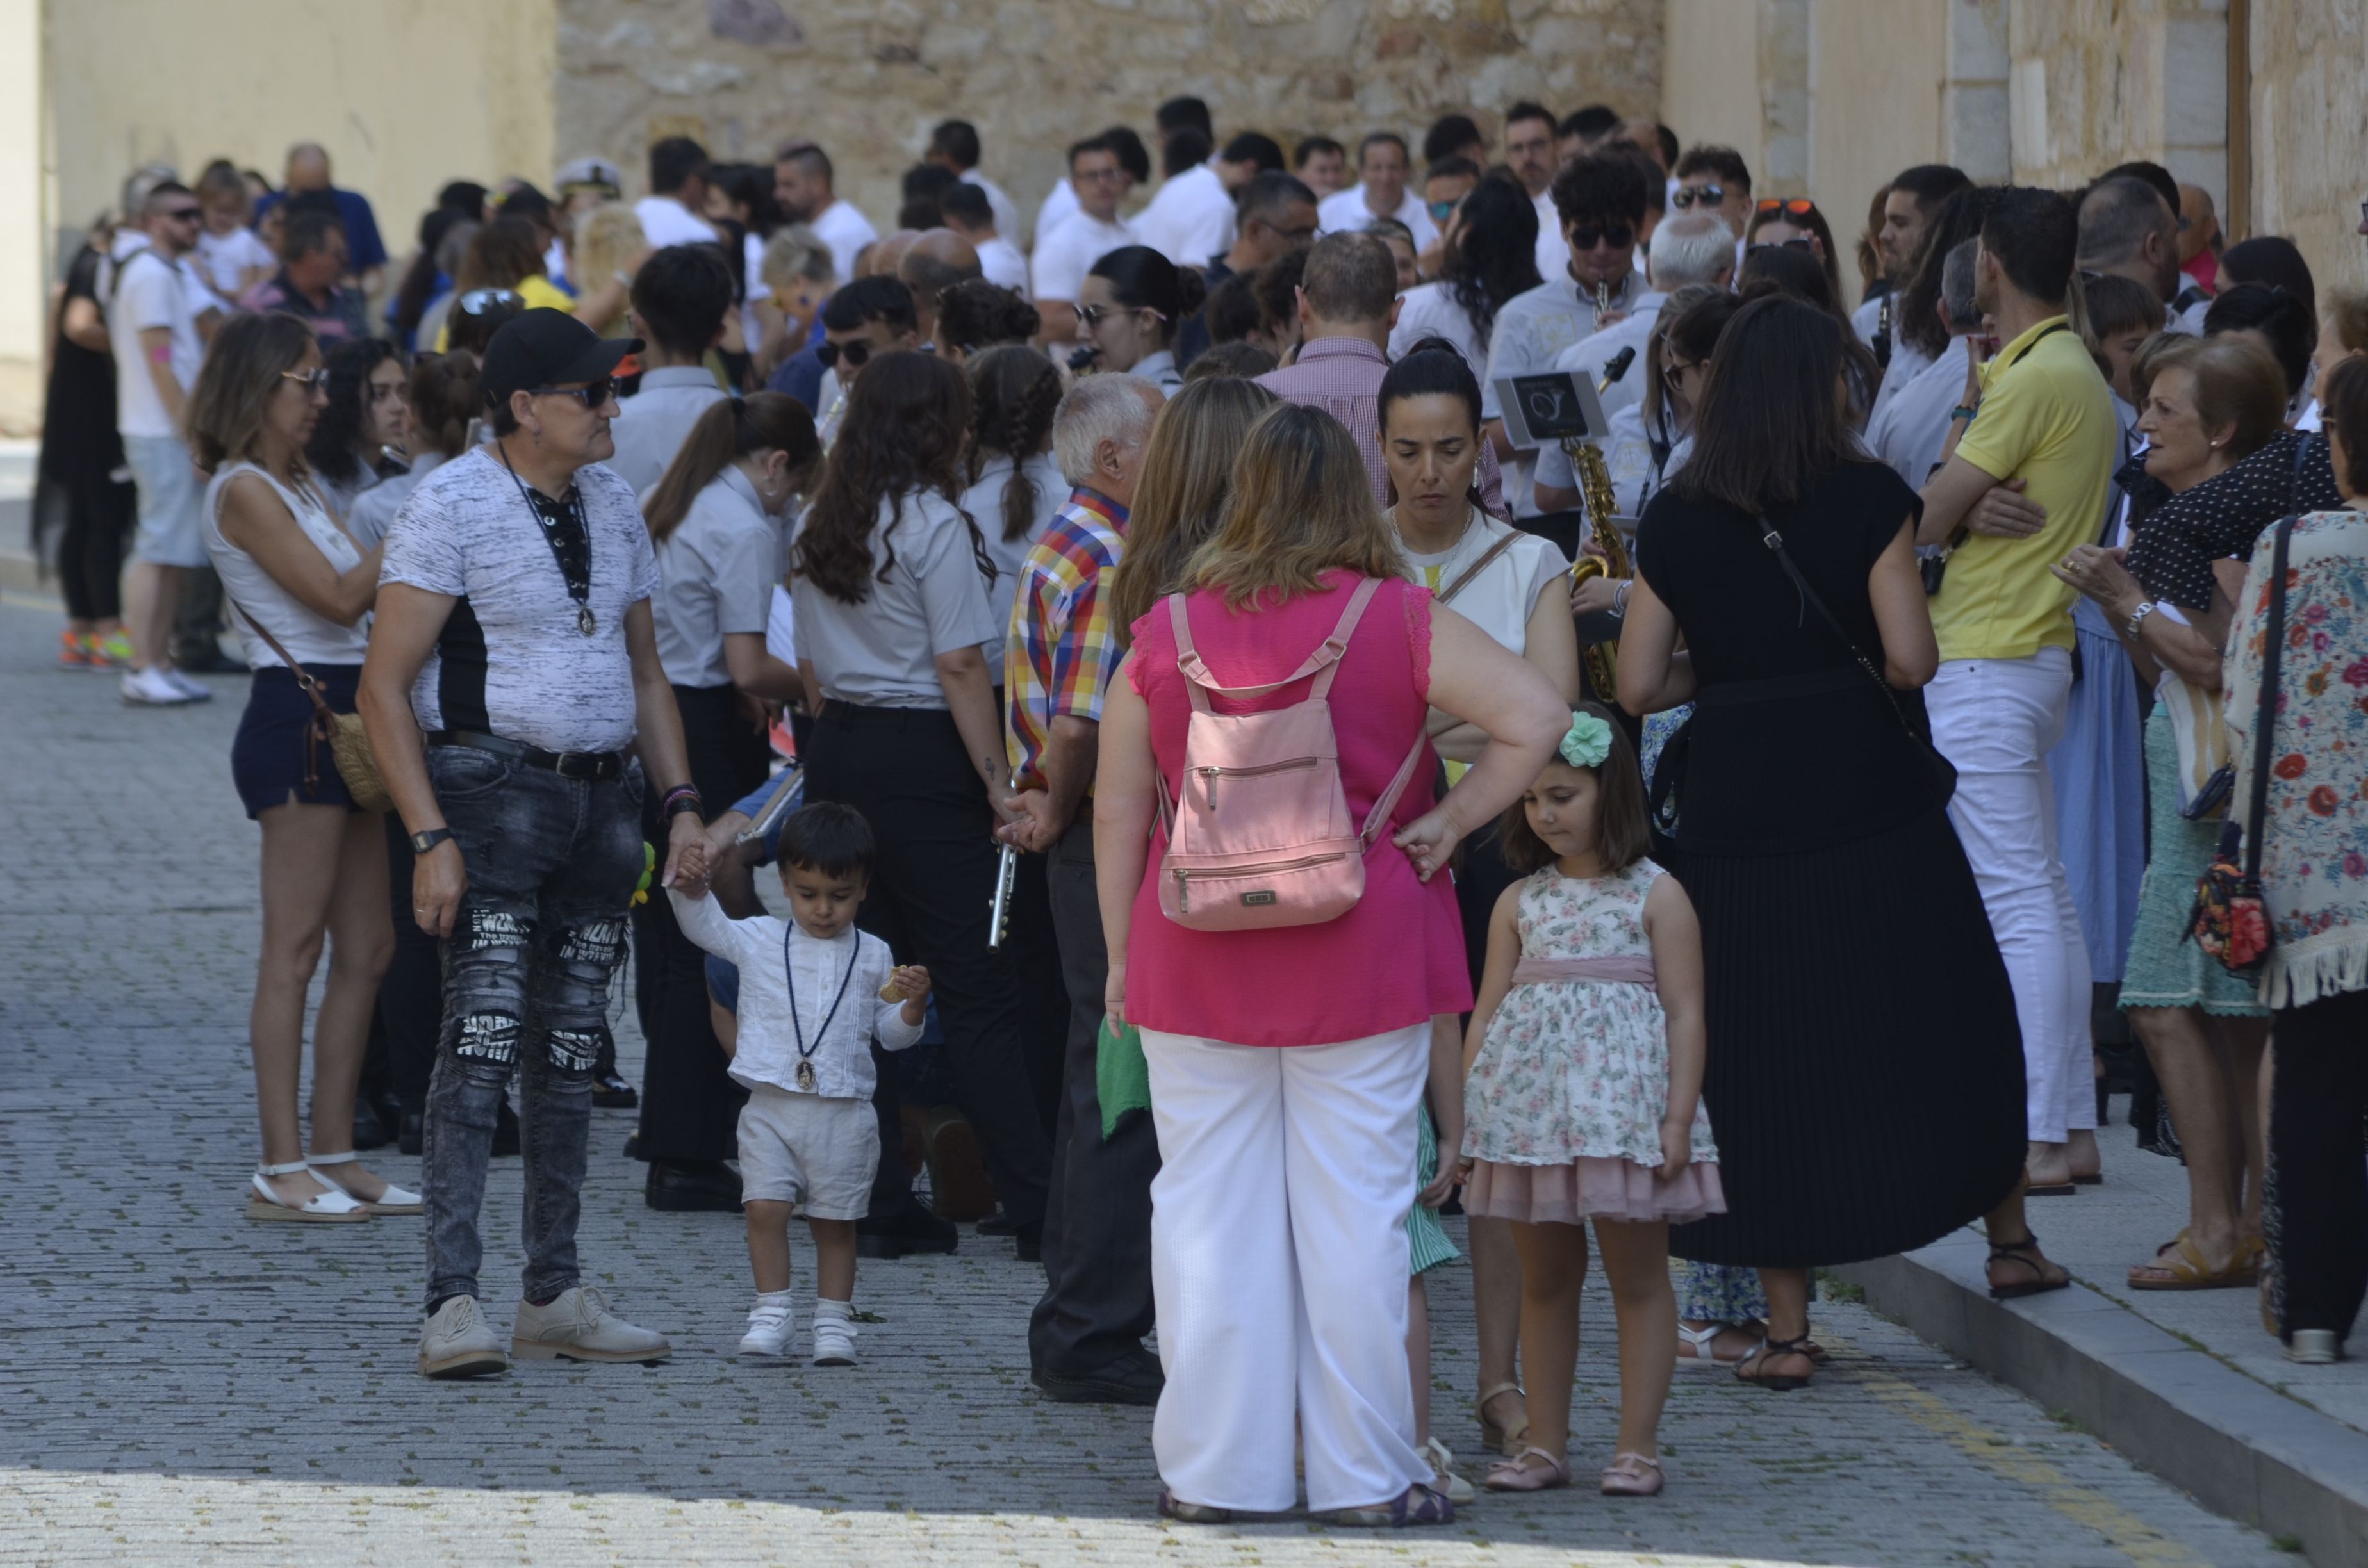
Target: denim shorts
{"points": [[276, 747], [171, 497]]}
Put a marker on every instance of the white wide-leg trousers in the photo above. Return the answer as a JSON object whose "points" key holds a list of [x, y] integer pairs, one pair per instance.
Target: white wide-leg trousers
{"points": [[1997, 719], [1279, 1266]]}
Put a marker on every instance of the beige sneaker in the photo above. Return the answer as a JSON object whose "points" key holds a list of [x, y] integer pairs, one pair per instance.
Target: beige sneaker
{"points": [[578, 1326], [458, 1343]]}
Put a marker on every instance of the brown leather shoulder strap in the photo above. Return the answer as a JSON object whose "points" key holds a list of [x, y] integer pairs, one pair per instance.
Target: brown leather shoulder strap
{"points": [[1465, 577]]}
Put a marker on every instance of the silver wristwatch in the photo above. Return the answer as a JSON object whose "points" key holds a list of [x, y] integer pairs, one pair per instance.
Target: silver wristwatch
{"points": [[2138, 620]]}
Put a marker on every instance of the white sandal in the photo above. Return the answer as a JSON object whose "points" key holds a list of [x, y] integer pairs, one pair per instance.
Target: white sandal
{"points": [[334, 1207], [393, 1200], [1704, 1341]]}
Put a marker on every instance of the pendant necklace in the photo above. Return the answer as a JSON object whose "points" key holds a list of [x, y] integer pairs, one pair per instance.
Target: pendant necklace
{"points": [[790, 978], [575, 558]]}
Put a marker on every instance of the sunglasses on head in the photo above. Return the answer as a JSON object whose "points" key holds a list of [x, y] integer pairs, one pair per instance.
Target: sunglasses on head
{"points": [[1587, 236], [1795, 207], [477, 301], [1687, 195], [591, 394], [851, 354]]}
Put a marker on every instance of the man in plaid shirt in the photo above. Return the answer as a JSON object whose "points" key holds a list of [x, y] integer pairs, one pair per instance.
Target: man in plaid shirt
{"points": [[1084, 1339]]}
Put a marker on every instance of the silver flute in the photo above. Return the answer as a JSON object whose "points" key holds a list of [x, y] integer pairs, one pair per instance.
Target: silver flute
{"points": [[777, 806], [999, 911]]}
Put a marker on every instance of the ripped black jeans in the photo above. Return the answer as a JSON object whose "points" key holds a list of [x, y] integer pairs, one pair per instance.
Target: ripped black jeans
{"points": [[552, 863]]}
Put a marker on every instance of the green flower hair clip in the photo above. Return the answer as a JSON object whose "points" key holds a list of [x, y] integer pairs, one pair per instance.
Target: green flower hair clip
{"points": [[1587, 743]]}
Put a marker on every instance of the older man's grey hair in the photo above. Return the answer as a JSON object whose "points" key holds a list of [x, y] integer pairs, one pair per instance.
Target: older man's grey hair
{"points": [[1692, 247], [2116, 218], [1099, 409], [1958, 310]]}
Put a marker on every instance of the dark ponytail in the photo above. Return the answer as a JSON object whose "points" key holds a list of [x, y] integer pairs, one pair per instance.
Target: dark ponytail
{"points": [[1014, 392], [1145, 280], [729, 430], [444, 399]]}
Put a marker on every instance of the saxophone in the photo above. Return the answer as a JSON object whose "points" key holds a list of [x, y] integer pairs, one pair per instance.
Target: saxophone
{"points": [[1600, 659]]}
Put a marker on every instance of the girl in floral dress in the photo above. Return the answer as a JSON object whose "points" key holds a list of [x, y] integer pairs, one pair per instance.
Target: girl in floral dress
{"points": [[1583, 1094]]}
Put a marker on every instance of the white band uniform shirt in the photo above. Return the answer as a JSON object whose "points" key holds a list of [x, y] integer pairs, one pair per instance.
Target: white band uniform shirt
{"points": [[1069, 252], [667, 222], [1430, 309], [651, 425], [843, 227], [1001, 264], [1912, 425], [1191, 220], [767, 1056], [883, 652], [511, 661], [1006, 216], [310, 637], [1533, 331], [1344, 212], [1060, 206], [716, 573], [1553, 251], [1589, 355]]}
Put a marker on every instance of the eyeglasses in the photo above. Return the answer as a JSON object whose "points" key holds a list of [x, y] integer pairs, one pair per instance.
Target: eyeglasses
{"points": [[1673, 373], [184, 214], [1795, 207], [1687, 195], [1588, 237], [852, 353], [311, 380], [1092, 316], [477, 301], [591, 394], [1798, 242]]}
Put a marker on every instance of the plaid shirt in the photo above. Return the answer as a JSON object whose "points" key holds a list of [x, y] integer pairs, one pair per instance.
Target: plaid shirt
{"points": [[1061, 652], [1342, 376]]}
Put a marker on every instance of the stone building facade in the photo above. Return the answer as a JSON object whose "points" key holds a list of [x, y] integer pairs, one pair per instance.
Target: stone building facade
{"points": [[867, 78]]}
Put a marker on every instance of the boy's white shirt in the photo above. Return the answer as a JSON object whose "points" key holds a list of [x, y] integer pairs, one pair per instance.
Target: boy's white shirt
{"points": [[767, 1056]]}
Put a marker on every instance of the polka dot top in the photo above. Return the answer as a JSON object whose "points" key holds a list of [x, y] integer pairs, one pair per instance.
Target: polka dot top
{"points": [[2172, 553]]}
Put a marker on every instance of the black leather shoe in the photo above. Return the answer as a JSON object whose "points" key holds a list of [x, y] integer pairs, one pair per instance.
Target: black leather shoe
{"points": [[370, 1132], [505, 1133], [999, 1223], [413, 1138], [706, 1187], [611, 1092], [1133, 1379], [911, 1229], [1030, 1239]]}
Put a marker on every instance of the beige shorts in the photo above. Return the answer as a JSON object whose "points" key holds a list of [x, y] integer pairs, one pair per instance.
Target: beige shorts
{"points": [[818, 1153]]}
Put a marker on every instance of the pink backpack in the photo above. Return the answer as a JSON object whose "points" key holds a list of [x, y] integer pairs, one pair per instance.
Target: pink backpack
{"points": [[1261, 836]]}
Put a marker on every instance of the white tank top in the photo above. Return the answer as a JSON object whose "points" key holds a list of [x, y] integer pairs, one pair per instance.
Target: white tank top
{"points": [[308, 637]]}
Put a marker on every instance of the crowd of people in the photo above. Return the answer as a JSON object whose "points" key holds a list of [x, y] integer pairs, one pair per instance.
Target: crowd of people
{"points": [[1236, 793]]}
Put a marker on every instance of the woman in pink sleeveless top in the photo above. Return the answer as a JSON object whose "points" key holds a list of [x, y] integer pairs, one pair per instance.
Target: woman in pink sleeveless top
{"points": [[1287, 1065]]}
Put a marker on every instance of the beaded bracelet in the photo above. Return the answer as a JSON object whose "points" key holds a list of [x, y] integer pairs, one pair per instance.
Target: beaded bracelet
{"points": [[681, 798]]}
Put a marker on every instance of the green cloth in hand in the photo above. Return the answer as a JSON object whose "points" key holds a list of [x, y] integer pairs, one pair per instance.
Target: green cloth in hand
{"points": [[1121, 1078]]}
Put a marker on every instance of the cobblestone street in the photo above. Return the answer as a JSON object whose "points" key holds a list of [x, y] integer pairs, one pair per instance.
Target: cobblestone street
{"points": [[184, 1386]]}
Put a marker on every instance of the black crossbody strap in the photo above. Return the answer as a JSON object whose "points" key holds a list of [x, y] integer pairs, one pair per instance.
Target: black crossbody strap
{"points": [[2265, 716], [1775, 542]]}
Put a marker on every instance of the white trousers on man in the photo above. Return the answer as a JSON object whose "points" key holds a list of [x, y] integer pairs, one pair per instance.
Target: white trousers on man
{"points": [[1279, 1267], [1997, 719]]}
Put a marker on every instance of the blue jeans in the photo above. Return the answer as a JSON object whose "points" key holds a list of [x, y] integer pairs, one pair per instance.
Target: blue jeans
{"points": [[551, 863]]}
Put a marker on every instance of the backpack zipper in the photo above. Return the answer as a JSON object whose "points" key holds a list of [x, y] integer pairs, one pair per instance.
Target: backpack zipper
{"points": [[1184, 874], [1210, 775]]}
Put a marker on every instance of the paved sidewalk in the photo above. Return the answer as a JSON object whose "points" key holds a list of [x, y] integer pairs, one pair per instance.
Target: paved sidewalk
{"points": [[183, 1386]]}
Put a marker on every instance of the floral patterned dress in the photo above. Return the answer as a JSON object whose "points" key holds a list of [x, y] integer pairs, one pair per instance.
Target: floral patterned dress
{"points": [[1563, 1104]]}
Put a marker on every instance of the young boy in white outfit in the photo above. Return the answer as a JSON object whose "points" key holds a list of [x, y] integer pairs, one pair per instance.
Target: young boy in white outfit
{"points": [[814, 993]]}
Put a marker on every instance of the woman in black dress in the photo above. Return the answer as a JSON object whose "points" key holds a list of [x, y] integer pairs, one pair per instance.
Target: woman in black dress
{"points": [[1854, 981], [82, 459]]}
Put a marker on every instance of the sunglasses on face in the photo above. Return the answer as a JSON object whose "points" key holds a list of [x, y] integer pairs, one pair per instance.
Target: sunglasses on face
{"points": [[184, 214], [312, 381], [1588, 237], [1796, 207], [1799, 242], [851, 354], [1705, 195], [477, 301], [1673, 374], [591, 394]]}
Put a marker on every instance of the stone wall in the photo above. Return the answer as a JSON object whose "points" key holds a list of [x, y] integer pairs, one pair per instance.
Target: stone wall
{"points": [[2310, 132], [867, 78], [2096, 83]]}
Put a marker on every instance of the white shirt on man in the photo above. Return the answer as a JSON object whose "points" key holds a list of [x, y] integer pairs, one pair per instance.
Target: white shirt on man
{"points": [[843, 227], [789, 983], [667, 222], [1553, 251], [1428, 310], [145, 290], [1593, 352], [1060, 206], [1006, 216], [1069, 252], [1344, 212], [651, 425], [1532, 332], [1912, 425], [1001, 263], [1191, 220]]}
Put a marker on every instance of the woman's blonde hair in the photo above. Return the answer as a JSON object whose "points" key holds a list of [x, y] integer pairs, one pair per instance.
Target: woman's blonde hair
{"points": [[1302, 505], [2349, 312], [1180, 492], [606, 238]]}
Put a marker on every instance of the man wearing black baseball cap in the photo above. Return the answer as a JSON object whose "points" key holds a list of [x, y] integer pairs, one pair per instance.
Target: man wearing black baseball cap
{"points": [[513, 638]]}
